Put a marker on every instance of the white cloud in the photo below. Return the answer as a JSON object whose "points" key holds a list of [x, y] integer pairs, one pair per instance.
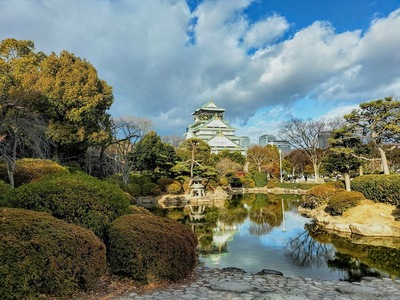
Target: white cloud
{"points": [[159, 71], [265, 31]]}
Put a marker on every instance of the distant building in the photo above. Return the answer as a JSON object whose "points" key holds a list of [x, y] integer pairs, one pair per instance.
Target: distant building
{"points": [[245, 141], [209, 125], [265, 139], [268, 139]]}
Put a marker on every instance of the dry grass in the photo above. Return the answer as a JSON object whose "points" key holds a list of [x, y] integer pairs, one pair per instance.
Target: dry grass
{"points": [[369, 212]]}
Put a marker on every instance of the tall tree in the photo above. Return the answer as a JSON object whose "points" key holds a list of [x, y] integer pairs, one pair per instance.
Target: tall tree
{"points": [[194, 155], [126, 133], [22, 129], [340, 157], [77, 104], [306, 135], [298, 160], [153, 155], [260, 157], [379, 122]]}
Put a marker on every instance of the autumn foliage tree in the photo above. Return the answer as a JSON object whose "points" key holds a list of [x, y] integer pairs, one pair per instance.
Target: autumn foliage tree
{"points": [[264, 158], [77, 103], [62, 90], [22, 128]]}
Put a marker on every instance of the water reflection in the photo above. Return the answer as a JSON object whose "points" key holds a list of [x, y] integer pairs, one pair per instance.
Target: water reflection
{"points": [[259, 231]]}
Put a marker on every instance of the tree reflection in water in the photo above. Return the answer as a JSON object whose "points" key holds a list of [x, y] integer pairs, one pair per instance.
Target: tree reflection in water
{"points": [[360, 256], [216, 226], [306, 252]]}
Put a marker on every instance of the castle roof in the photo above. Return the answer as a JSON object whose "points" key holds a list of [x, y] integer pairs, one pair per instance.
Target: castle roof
{"points": [[209, 106]]}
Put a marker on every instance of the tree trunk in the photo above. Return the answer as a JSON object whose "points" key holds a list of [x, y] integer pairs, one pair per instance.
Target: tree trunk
{"points": [[316, 171], [10, 171], [10, 162], [347, 181], [361, 170], [384, 162]]}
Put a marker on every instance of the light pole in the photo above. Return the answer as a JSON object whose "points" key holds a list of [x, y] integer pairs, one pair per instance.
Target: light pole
{"points": [[280, 163], [283, 217]]}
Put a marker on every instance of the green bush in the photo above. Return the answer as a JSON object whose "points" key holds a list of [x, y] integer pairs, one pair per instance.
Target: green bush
{"points": [[379, 188], [139, 179], [40, 254], [149, 188], [342, 201], [174, 188], [260, 179], [247, 182], [273, 183], [4, 190], [31, 169], [319, 194], [164, 182], [75, 198], [150, 248]]}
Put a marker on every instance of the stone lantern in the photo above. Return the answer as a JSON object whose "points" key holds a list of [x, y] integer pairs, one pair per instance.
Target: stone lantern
{"points": [[197, 189]]}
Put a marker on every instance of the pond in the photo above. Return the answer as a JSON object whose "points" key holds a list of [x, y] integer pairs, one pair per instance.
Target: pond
{"points": [[259, 231]]}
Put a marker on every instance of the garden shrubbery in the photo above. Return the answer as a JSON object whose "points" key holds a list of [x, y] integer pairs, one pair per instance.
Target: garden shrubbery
{"points": [[342, 201], [379, 188], [150, 248], [260, 179], [75, 198], [247, 181], [4, 189], [31, 169], [319, 194], [40, 254], [174, 188]]}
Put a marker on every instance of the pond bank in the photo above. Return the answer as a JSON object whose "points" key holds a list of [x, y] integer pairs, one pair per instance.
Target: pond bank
{"points": [[366, 219], [233, 283]]}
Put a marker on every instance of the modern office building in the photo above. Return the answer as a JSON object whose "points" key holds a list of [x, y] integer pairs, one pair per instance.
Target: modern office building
{"points": [[269, 139]]}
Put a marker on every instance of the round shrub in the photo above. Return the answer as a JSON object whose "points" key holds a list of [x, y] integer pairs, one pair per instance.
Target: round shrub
{"points": [[40, 254], [75, 198], [174, 188], [247, 182], [32, 169], [342, 201], [149, 188], [379, 188], [4, 189], [260, 179], [319, 194], [150, 248], [164, 182]]}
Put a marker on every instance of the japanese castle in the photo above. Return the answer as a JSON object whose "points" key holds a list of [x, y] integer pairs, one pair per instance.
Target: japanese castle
{"points": [[209, 125]]}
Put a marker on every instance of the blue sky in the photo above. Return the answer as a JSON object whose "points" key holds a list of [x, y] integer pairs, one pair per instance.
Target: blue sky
{"points": [[264, 61]]}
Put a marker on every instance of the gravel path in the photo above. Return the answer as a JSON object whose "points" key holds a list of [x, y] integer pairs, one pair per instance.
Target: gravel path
{"points": [[234, 284]]}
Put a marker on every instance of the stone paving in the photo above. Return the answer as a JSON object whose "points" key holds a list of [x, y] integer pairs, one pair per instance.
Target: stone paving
{"points": [[234, 284]]}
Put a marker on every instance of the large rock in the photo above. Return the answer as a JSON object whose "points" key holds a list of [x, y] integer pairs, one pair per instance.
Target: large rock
{"points": [[371, 229]]}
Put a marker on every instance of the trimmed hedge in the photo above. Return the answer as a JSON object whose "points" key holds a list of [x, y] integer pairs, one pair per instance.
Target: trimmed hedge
{"points": [[174, 188], [32, 169], [319, 194], [4, 189], [342, 201], [150, 248], [379, 188], [75, 198], [260, 179], [40, 254]]}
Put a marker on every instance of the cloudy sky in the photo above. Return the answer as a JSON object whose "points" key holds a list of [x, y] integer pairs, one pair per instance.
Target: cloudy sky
{"points": [[262, 60]]}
